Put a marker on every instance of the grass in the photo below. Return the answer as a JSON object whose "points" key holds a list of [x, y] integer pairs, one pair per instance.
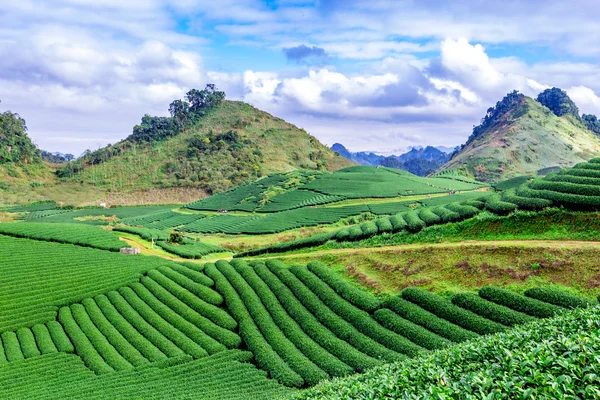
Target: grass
{"points": [[449, 268]]}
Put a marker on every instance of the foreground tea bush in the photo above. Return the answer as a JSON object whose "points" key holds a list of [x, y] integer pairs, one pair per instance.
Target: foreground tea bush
{"points": [[518, 302], [557, 297], [551, 359]]}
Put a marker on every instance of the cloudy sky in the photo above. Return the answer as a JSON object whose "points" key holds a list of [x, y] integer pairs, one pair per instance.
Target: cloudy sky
{"points": [[377, 75]]}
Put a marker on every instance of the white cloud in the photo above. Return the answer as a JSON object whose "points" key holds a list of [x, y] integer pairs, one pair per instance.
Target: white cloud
{"points": [[585, 98]]}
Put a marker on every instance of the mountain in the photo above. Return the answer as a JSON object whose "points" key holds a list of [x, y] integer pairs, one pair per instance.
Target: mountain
{"points": [[446, 149], [204, 146], [521, 136], [361, 157], [428, 153], [418, 160]]}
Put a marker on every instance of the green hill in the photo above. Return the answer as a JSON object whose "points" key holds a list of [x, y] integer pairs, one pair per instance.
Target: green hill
{"points": [[226, 145], [20, 160], [520, 136]]}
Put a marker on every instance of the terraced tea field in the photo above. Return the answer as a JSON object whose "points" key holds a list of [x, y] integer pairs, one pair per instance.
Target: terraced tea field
{"points": [[107, 324]]}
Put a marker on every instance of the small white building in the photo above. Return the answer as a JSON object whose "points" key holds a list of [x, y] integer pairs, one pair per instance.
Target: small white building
{"points": [[130, 250]]}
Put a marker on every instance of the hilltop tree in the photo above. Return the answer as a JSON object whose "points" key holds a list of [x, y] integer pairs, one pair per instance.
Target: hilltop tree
{"points": [[508, 103], [558, 102], [204, 99], [15, 145], [179, 110]]}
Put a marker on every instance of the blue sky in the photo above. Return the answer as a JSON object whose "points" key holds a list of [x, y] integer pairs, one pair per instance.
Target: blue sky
{"points": [[380, 75]]}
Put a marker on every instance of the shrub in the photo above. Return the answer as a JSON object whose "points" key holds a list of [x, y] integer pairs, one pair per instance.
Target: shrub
{"points": [[196, 334], [300, 363], [340, 327], [194, 275], [210, 311], [361, 320], [43, 339], [410, 330], [129, 332], [129, 353], [432, 322], [384, 225], [474, 203], [290, 328], [27, 341], [203, 292], [266, 357], [489, 310], [524, 203], [445, 214], [355, 233], [84, 347], [205, 322], [413, 222], [144, 327], [495, 204], [144, 233], [398, 222], [548, 359], [59, 337], [12, 348], [176, 237], [342, 234], [428, 216], [352, 294], [369, 228], [97, 339], [557, 297], [518, 302], [566, 187], [445, 309], [465, 211], [309, 323], [170, 332]]}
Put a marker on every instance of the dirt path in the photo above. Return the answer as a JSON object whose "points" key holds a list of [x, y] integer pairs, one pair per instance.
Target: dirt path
{"points": [[471, 243], [146, 248]]}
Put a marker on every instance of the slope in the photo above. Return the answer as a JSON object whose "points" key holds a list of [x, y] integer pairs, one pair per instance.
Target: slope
{"points": [[20, 160], [521, 136], [230, 144]]}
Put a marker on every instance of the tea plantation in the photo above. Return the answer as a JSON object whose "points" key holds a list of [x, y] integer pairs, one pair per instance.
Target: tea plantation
{"points": [[104, 324], [80, 320]]}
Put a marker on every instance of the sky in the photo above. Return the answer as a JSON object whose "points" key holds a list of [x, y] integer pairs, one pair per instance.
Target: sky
{"points": [[377, 75]]}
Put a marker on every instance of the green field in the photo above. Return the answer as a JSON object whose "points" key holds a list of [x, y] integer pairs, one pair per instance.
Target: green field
{"points": [[378, 281], [150, 319]]}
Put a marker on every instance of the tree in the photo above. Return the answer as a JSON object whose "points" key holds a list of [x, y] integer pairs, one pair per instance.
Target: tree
{"points": [[176, 237], [204, 99], [558, 102], [69, 157], [591, 122], [179, 110]]}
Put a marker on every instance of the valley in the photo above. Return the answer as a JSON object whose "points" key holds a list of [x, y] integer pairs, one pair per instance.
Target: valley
{"points": [[271, 267]]}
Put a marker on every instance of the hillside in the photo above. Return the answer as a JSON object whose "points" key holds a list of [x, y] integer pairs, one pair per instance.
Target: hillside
{"points": [[20, 160], [520, 136], [228, 144]]}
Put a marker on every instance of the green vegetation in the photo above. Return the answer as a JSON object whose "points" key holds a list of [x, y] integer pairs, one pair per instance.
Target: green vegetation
{"points": [[81, 235], [525, 362], [214, 146], [58, 274], [226, 375], [521, 136]]}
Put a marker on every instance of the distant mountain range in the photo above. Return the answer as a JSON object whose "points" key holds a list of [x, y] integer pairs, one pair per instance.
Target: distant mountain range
{"points": [[418, 160]]}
